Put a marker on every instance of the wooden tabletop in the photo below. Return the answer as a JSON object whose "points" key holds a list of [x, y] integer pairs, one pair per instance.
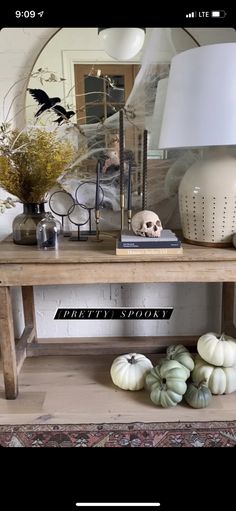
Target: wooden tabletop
{"points": [[93, 262], [92, 251]]}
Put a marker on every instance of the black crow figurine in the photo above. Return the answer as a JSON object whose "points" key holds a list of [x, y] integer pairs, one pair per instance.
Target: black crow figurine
{"points": [[63, 115], [42, 98]]}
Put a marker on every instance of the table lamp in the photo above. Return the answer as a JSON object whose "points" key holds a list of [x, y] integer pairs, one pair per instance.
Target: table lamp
{"points": [[200, 112]]}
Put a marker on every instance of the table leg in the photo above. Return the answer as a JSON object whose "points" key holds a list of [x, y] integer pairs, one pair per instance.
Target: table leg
{"points": [[227, 321], [29, 309], [7, 340]]}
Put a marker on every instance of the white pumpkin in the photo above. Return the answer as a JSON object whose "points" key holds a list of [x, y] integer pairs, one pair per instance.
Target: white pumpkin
{"points": [[217, 350], [220, 380], [128, 371]]}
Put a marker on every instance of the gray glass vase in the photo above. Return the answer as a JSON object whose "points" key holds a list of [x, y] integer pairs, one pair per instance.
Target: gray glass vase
{"points": [[24, 225]]}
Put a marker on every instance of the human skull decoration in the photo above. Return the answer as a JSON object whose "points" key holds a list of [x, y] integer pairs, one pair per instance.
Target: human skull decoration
{"points": [[146, 223]]}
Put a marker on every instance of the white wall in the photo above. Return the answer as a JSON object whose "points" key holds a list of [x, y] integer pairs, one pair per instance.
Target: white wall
{"points": [[196, 307]]}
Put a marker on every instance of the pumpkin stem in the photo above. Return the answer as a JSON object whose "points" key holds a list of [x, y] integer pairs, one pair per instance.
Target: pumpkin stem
{"points": [[221, 337], [170, 352], [132, 360], [203, 382]]}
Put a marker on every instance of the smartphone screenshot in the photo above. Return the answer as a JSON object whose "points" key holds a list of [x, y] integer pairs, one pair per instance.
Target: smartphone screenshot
{"points": [[117, 247]]}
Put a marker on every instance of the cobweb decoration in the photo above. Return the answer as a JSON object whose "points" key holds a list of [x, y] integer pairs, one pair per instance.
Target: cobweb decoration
{"points": [[140, 104], [154, 67], [143, 110]]}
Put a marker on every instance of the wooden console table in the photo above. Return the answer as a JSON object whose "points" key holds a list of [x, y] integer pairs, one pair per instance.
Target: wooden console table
{"points": [[96, 263]]}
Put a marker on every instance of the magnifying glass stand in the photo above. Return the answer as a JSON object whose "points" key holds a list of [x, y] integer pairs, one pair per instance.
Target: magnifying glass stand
{"points": [[78, 216], [79, 237]]}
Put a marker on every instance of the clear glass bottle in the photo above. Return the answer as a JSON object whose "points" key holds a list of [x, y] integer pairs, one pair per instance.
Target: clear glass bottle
{"points": [[47, 232]]}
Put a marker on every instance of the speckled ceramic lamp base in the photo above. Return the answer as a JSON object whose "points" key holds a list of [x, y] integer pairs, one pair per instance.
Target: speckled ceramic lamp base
{"points": [[207, 201], [207, 244]]}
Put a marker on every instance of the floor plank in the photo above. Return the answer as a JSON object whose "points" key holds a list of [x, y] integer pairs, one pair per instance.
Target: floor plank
{"points": [[77, 390]]}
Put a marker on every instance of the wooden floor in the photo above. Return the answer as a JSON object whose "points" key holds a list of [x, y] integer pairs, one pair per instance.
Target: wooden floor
{"points": [[77, 390]]}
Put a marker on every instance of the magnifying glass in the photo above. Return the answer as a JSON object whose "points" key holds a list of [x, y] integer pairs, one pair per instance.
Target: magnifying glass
{"points": [[78, 216], [60, 203]]}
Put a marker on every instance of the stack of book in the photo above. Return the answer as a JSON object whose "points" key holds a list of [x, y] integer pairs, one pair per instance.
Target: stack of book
{"points": [[131, 244]]}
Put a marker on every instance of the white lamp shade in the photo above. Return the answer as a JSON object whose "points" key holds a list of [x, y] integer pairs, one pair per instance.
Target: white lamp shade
{"points": [[122, 43], [158, 113], [200, 107]]}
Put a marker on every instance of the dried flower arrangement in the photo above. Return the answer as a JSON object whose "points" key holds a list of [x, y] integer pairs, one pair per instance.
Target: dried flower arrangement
{"points": [[31, 162]]}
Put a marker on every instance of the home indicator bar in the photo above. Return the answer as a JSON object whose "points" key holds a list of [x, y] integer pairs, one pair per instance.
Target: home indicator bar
{"points": [[117, 504]]}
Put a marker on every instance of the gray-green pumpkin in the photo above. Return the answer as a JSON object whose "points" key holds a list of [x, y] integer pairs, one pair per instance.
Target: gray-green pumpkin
{"points": [[198, 395], [166, 383], [181, 354]]}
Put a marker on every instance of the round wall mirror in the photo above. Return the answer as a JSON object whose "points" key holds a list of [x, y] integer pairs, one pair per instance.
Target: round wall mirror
{"points": [[91, 87]]}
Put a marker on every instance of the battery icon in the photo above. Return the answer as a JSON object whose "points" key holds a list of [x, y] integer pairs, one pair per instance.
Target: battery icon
{"points": [[218, 14]]}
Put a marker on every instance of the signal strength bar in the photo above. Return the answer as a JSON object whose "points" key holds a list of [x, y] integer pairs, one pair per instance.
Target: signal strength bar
{"points": [[191, 15]]}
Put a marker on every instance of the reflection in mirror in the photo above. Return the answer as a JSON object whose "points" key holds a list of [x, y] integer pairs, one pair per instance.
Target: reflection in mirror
{"points": [[71, 49], [74, 67]]}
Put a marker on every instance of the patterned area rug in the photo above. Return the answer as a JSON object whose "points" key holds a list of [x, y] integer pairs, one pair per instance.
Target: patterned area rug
{"points": [[190, 434]]}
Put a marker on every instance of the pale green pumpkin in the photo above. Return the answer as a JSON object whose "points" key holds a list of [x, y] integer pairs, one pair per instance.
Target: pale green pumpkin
{"points": [[198, 395], [181, 354], [166, 382]]}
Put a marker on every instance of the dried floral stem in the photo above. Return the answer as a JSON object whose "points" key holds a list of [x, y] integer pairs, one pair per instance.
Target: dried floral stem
{"points": [[33, 167], [24, 78], [19, 112]]}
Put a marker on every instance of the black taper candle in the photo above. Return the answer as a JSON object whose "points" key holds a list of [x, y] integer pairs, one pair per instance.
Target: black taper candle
{"points": [[98, 167], [97, 201], [144, 198], [129, 202], [121, 144]]}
